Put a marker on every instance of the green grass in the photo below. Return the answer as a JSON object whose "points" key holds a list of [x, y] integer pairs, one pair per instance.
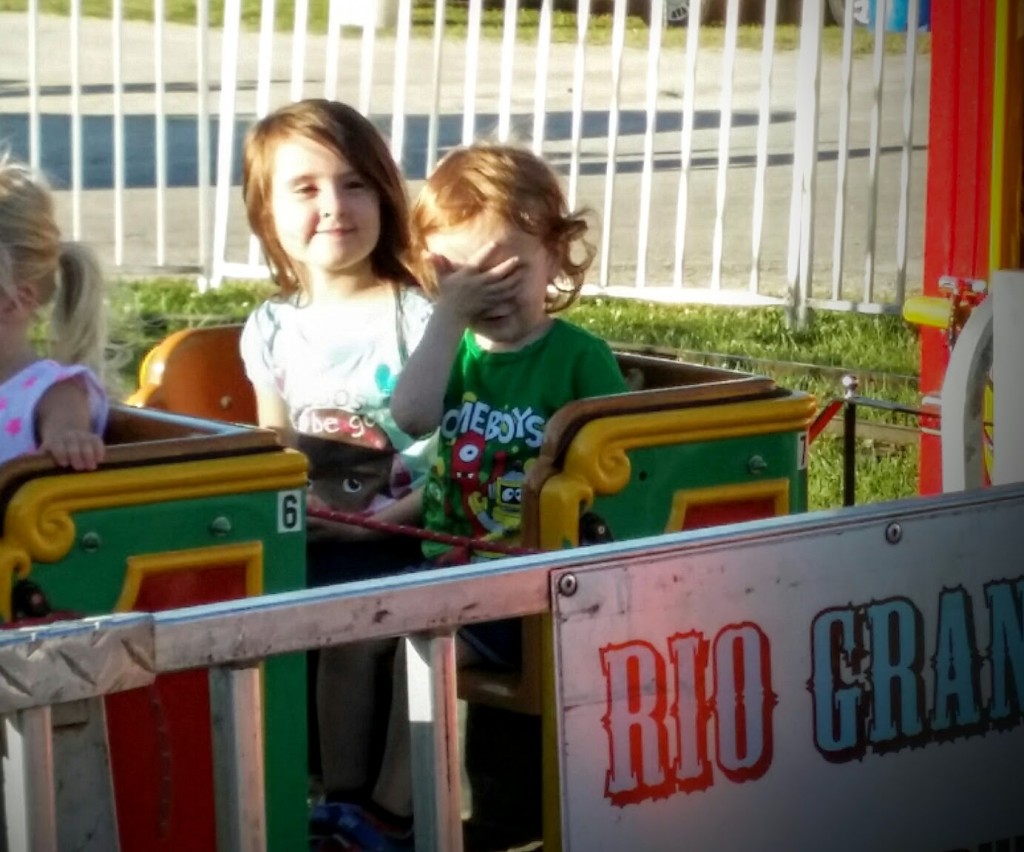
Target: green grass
{"points": [[883, 350], [456, 24]]}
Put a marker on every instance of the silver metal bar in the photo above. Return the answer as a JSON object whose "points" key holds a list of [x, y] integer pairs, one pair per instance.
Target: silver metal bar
{"points": [[540, 85], [433, 718], [366, 55], [75, 24], [75, 659], [434, 121], [265, 57], [30, 805], [402, 50], [686, 145], [764, 120], [839, 232], [508, 57], [963, 465], [117, 25], [579, 70], [236, 709], [472, 71], [800, 262], [903, 223], [160, 131], [647, 174], [874, 151], [84, 793], [299, 25], [607, 215], [264, 72], [438, 600], [203, 140], [1007, 356], [225, 136], [333, 49], [315, 618], [34, 157], [732, 19]]}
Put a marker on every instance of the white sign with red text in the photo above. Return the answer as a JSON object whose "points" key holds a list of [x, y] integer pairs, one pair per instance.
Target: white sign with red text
{"points": [[849, 681]]}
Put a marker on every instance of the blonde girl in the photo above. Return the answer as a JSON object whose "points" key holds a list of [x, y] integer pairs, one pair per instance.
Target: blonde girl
{"points": [[55, 405]]}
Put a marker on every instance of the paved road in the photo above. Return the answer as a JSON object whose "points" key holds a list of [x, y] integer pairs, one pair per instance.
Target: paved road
{"points": [[180, 51]]}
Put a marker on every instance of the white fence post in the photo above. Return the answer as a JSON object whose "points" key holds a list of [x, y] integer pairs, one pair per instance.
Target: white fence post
{"points": [[800, 268], [667, 196], [1007, 296]]}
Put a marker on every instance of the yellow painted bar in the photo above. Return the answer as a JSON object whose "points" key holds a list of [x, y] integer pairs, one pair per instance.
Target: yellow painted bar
{"points": [[929, 311], [1007, 131]]}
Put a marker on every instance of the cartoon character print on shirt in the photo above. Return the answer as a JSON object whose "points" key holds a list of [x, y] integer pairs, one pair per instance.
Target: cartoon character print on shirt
{"points": [[485, 469], [501, 511], [353, 466], [472, 479]]}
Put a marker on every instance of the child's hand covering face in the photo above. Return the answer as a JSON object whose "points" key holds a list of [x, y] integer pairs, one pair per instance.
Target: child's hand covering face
{"points": [[476, 286]]}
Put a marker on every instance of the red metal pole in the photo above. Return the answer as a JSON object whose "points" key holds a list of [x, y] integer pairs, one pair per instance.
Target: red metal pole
{"points": [[959, 179]]}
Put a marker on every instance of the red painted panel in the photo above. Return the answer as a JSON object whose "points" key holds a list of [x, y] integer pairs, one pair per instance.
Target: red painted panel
{"points": [[959, 176], [732, 512], [160, 739]]}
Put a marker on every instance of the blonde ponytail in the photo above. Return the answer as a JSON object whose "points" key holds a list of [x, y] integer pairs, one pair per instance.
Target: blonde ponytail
{"points": [[78, 321], [64, 274]]}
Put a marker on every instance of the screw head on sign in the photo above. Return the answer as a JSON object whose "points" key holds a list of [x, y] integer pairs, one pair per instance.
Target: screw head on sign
{"points": [[567, 585], [893, 533]]}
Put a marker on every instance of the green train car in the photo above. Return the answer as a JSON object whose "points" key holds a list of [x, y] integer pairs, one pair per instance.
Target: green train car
{"points": [[182, 512], [192, 509]]}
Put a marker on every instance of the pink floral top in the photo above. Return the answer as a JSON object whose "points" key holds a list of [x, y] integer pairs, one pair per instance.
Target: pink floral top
{"points": [[21, 393]]}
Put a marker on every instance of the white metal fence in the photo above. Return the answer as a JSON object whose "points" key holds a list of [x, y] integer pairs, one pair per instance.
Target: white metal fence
{"points": [[718, 173]]}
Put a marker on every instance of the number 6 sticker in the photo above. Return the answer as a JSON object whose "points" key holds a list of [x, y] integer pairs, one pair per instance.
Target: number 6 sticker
{"points": [[289, 511]]}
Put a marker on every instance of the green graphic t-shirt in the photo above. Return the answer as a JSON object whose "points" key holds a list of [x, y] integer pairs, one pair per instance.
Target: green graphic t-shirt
{"points": [[495, 410]]}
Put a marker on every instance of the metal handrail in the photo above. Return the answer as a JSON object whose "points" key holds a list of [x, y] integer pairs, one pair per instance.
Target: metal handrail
{"points": [[42, 665]]}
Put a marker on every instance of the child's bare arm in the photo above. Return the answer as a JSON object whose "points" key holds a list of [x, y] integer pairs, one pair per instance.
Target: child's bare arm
{"points": [[64, 426], [272, 413], [418, 398], [463, 294]]}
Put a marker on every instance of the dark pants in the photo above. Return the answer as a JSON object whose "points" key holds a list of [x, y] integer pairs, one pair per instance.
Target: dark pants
{"points": [[330, 562]]}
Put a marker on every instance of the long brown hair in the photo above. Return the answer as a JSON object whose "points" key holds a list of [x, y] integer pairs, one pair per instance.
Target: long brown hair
{"points": [[345, 131], [65, 274], [520, 188]]}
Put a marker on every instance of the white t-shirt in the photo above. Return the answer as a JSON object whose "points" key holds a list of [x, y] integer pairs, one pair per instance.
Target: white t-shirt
{"points": [[20, 395], [335, 366]]}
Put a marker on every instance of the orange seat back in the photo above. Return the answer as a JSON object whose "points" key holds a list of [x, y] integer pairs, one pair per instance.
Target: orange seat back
{"points": [[198, 372]]}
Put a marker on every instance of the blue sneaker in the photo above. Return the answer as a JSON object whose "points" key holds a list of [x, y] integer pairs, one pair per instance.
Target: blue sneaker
{"points": [[350, 825]]}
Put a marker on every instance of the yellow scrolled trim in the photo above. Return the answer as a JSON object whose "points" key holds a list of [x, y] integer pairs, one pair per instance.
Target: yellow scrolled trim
{"points": [[686, 499], [38, 518], [597, 460], [560, 501], [597, 454], [14, 561], [248, 553]]}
